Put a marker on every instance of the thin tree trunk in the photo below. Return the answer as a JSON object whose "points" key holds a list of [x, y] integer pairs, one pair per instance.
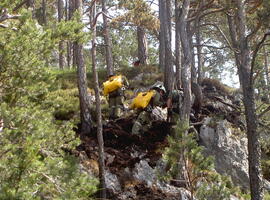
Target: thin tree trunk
{"points": [[107, 39], [199, 50], [169, 74], [31, 4], [60, 6], [72, 53], [162, 34], [68, 43], [86, 121], [266, 70], [193, 67], [142, 45], [177, 45], [238, 32], [186, 74], [44, 12], [98, 109]]}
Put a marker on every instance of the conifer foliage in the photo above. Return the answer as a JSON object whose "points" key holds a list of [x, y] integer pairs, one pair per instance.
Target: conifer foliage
{"points": [[187, 164], [35, 163]]}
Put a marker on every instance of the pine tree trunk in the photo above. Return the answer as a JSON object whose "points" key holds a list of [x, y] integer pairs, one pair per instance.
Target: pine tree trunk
{"points": [[199, 50], [169, 74], [238, 30], [86, 122], [72, 52], [162, 34], [177, 45], [193, 67], [186, 73], [98, 109], [68, 8], [44, 12], [60, 6], [142, 45], [107, 39]]}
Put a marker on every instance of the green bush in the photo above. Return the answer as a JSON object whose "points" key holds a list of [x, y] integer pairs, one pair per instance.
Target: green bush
{"points": [[185, 158], [33, 163], [64, 103]]}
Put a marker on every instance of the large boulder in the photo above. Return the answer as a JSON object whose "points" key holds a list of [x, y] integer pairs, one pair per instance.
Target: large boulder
{"points": [[230, 151]]}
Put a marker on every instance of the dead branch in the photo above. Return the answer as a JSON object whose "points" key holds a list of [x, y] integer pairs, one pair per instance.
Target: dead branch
{"points": [[95, 20], [232, 106], [5, 26], [197, 123], [222, 34], [5, 16], [90, 6], [19, 5], [210, 46], [205, 14]]}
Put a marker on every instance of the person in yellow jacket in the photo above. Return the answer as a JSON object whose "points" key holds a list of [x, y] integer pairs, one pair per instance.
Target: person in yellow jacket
{"points": [[114, 87], [144, 119]]}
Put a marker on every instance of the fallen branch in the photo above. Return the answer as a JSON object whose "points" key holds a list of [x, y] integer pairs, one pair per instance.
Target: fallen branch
{"points": [[232, 106], [5, 26], [5, 16], [197, 123]]}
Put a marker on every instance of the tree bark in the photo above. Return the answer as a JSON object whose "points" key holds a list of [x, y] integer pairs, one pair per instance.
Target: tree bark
{"points": [[72, 52], [142, 45], [31, 4], [177, 45], [86, 121], [193, 67], [266, 71], [60, 6], [238, 30], [98, 109], [199, 50], [68, 43], [169, 74], [44, 12], [107, 39], [186, 73], [162, 34]]}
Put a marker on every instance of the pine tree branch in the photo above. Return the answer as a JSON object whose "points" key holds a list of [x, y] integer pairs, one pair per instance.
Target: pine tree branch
{"points": [[264, 112], [259, 45], [209, 46]]}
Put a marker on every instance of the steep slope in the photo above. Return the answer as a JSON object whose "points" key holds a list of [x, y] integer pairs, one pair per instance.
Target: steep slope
{"points": [[133, 162]]}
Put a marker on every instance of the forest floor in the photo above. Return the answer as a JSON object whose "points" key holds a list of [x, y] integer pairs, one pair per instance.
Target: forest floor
{"points": [[121, 145]]}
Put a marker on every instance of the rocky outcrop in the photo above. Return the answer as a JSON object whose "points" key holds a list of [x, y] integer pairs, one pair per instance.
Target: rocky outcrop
{"points": [[230, 151], [141, 182]]}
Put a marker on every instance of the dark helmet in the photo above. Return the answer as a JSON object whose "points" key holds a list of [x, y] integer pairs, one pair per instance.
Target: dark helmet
{"points": [[111, 75], [159, 85]]}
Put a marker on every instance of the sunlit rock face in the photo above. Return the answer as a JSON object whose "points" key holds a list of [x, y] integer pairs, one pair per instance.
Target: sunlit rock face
{"points": [[230, 151]]}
